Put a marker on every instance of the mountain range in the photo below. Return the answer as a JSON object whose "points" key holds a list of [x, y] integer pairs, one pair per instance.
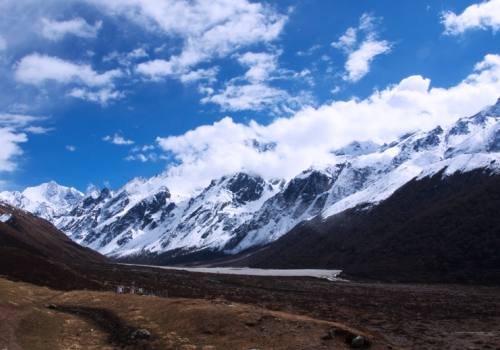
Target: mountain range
{"points": [[141, 221]]}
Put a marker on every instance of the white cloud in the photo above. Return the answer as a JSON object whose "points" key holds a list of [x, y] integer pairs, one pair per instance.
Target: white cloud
{"points": [[39, 130], [253, 91], [137, 53], [57, 30], [9, 148], [13, 129], [209, 75], [483, 15], [142, 157], [36, 69], [156, 69], [307, 138], [70, 148], [144, 154], [127, 58], [144, 148], [16, 121], [260, 65], [209, 29], [101, 96], [358, 61], [309, 51], [117, 139], [256, 96], [361, 53], [347, 41]]}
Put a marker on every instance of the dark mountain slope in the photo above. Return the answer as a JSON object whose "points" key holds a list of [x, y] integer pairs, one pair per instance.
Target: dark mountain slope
{"points": [[33, 250], [431, 230]]}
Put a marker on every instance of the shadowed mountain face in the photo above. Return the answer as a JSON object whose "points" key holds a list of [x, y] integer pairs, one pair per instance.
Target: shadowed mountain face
{"points": [[33, 250], [436, 229]]}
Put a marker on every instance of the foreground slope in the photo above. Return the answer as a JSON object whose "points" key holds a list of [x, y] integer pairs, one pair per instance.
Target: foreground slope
{"points": [[32, 249], [105, 320]]}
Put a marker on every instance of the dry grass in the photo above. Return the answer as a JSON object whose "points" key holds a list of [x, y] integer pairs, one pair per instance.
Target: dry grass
{"points": [[175, 323]]}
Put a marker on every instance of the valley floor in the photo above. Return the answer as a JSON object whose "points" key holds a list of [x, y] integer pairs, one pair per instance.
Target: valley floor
{"points": [[38, 318], [215, 311]]}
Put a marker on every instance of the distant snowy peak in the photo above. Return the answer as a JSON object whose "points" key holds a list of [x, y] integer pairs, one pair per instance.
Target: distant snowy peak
{"points": [[46, 200], [54, 194], [357, 148]]}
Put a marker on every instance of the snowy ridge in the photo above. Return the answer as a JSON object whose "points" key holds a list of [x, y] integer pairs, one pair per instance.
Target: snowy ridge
{"points": [[242, 210], [48, 200]]}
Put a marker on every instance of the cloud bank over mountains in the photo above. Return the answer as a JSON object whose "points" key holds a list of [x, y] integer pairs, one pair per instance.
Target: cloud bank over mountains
{"points": [[308, 137]]}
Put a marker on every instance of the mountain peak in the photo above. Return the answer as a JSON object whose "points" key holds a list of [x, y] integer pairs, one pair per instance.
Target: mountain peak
{"points": [[357, 148]]}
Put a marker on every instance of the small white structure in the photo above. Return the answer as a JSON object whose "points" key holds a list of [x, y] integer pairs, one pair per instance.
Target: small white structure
{"points": [[5, 217]]}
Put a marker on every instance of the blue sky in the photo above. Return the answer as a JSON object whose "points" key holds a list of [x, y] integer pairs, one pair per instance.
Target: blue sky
{"points": [[99, 93]]}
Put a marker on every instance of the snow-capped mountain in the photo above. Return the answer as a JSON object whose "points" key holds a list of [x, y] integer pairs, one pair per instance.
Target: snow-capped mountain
{"points": [[242, 210], [49, 200]]}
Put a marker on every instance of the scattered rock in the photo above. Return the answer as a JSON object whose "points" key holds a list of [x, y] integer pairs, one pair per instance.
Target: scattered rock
{"points": [[188, 347], [51, 306], [358, 342], [140, 334], [330, 334]]}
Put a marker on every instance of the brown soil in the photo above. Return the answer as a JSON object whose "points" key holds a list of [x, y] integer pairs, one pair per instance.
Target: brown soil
{"points": [[41, 318], [410, 316]]}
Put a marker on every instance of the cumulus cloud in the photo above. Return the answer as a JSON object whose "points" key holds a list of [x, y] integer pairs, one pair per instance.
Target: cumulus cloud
{"points": [[361, 53], [253, 91], [359, 61], [484, 15], [143, 157], [348, 40], [36, 69], [126, 58], [57, 30], [209, 29], [101, 96], [145, 153], [13, 133], [308, 137], [260, 65], [256, 96], [70, 148], [10, 148], [209, 75], [117, 139]]}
